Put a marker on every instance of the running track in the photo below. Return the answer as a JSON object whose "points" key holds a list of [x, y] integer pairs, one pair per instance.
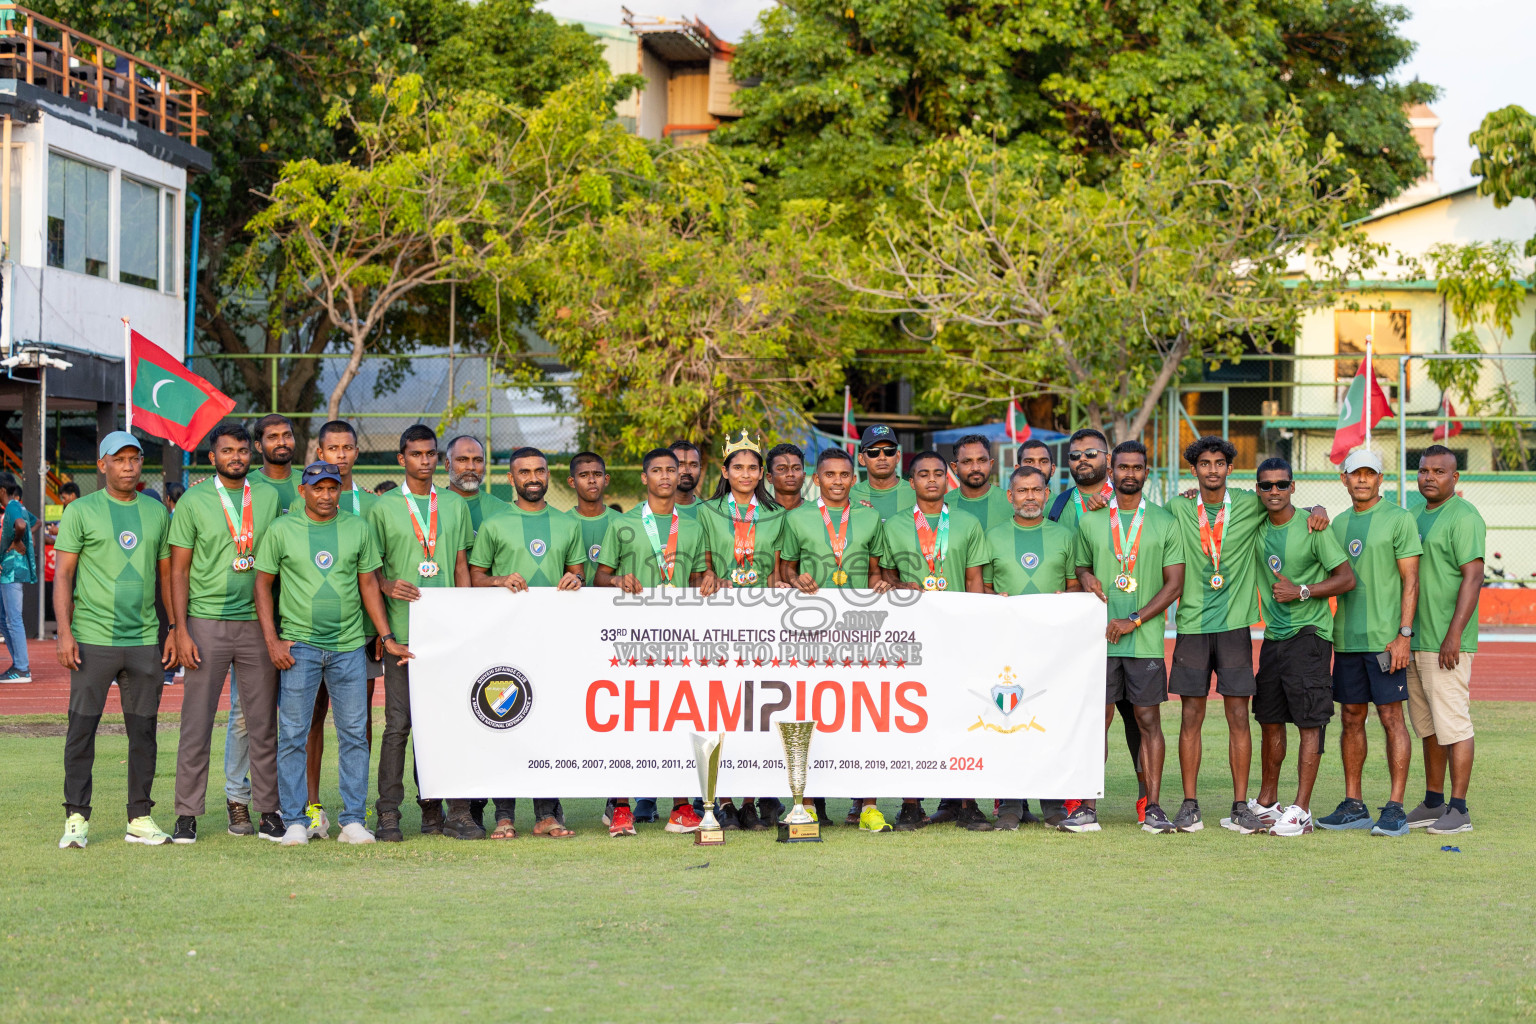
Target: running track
{"points": [[1501, 671]]}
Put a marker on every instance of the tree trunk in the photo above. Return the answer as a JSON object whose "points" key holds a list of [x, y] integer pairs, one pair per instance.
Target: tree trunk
{"points": [[348, 374]]}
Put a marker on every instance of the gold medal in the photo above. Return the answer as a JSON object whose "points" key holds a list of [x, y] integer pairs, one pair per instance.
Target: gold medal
{"points": [[943, 583], [839, 578], [427, 569], [1217, 582], [750, 576], [1123, 582], [930, 583], [1130, 587]]}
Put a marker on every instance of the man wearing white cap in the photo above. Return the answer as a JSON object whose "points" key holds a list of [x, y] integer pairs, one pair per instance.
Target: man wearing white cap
{"points": [[112, 545], [1372, 630]]}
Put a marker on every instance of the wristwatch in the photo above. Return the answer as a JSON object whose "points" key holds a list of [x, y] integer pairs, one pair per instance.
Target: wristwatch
{"points": [[1306, 594], [387, 636], [1406, 631], [1136, 619]]}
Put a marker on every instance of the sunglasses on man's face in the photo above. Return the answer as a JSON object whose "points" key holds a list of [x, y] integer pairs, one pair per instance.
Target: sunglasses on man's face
{"points": [[881, 451], [1086, 453], [1273, 485]]}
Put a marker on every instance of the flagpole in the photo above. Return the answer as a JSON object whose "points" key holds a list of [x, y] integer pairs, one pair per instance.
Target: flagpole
{"points": [[1370, 381], [127, 376]]}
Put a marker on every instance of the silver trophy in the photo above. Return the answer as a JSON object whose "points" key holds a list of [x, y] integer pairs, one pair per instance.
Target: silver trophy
{"points": [[798, 826], [706, 758]]}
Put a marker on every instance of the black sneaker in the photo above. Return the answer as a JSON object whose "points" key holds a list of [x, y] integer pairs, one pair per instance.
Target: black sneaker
{"points": [[1007, 821], [943, 814], [1188, 818], [432, 818], [909, 818], [239, 819], [477, 812], [1084, 819], [748, 821], [855, 809], [271, 827], [462, 826], [185, 831], [1243, 821], [728, 817], [769, 811], [1027, 818], [389, 828], [822, 814], [972, 818], [1156, 820]]}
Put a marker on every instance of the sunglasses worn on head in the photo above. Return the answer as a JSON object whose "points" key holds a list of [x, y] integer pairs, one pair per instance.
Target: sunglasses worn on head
{"points": [[881, 450], [1086, 453], [1270, 485]]}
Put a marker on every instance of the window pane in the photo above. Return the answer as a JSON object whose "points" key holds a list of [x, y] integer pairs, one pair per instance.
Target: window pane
{"points": [[78, 208], [1389, 333], [168, 224], [139, 244]]}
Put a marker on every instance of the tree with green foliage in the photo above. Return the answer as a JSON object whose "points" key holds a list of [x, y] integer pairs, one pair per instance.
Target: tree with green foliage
{"points": [[1102, 292], [1506, 158], [846, 92]]}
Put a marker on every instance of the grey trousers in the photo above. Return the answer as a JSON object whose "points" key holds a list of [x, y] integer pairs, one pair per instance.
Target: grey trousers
{"points": [[220, 646]]}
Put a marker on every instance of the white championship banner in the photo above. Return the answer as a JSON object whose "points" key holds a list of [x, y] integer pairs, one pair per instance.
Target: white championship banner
{"points": [[594, 693]]}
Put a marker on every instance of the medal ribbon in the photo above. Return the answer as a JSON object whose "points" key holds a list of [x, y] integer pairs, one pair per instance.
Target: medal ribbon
{"points": [[428, 540], [1125, 554], [245, 536], [935, 548], [1105, 492], [746, 529], [1210, 536], [838, 539], [666, 558]]}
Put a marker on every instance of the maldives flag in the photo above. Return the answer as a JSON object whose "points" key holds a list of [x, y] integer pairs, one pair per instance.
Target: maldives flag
{"points": [[167, 399], [1446, 431], [1017, 425], [1351, 430], [850, 435]]}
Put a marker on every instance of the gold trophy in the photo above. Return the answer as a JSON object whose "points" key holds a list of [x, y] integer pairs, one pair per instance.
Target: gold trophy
{"points": [[798, 826], [706, 758]]}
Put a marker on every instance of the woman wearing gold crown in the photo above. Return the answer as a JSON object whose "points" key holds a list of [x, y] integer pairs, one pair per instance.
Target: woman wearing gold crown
{"points": [[741, 533]]}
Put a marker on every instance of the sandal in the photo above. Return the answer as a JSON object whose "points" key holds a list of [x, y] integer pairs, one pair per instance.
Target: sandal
{"points": [[552, 828], [503, 830]]}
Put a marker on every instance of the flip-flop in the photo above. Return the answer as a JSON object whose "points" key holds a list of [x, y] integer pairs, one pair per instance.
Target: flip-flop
{"points": [[503, 830], [552, 829]]}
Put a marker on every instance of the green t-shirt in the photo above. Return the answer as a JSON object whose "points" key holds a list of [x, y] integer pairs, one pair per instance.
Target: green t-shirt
{"points": [[1030, 559], [1159, 548], [1070, 510], [215, 590], [991, 509], [626, 547], [482, 505], [401, 552], [538, 546], [1302, 556], [803, 539], [689, 511], [358, 500], [593, 529], [1202, 608], [904, 552], [1369, 616], [287, 488], [1452, 535], [319, 563], [120, 544], [720, 536], [887, 502]]}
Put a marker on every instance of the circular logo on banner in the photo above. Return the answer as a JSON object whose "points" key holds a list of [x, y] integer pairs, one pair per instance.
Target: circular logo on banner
{"points": [[1355, 547], [594, 551], [128, 540], [1029, 560], [1274, 563], [537, 547], [501, 698], [324, 559]]}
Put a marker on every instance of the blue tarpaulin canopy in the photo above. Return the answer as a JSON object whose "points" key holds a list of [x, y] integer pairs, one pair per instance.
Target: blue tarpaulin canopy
{"points": [[997, 433]]}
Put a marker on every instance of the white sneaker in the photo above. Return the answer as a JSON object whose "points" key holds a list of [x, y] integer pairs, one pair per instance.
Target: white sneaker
{"points": [[319, 824], [354, 833], [297, 835], [1268, 815], [1294, 822]]}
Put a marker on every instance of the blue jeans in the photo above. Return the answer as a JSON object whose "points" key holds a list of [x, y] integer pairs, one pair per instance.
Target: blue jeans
{"points": [[237, 750], [11, 625], [345, 675]]}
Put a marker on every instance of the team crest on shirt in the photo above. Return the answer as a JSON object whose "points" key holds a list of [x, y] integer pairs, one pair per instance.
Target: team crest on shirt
{"points": [[1275, 563], [593, 552], [128, 539], [537, 547], [323, 559], [1355, 547], [1028, 560]]}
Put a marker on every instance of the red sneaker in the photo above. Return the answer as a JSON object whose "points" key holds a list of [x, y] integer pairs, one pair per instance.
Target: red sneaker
{"points": [[683, 820], [1070, 806], [623, 823], [1141, 810]]}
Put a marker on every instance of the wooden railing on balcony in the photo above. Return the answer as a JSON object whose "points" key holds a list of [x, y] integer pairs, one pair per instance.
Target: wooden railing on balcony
{"points": [[55, 57]]}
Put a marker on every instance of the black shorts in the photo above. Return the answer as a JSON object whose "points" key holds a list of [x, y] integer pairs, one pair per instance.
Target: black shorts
{"points": [[1295, 682], [1229, 654], [1358, 679], [1142, 681]]}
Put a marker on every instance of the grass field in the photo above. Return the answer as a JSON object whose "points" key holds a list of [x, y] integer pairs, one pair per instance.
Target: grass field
{"points": [[937, 925]]}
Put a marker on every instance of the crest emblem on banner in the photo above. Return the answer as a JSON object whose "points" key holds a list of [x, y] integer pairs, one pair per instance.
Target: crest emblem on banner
{"points": [[501, 697], [1007, 694]]}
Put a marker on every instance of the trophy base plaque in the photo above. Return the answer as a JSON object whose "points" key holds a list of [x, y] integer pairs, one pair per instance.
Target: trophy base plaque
{"points": [[799, 832]]}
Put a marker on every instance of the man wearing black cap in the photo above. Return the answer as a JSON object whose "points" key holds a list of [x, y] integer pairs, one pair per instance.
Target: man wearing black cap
{"points": [[880, 455], [112, 545], [327, 564]]}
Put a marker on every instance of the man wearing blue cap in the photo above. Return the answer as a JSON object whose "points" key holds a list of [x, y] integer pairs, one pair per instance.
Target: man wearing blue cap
{"points": [[880, 455], [327, 564], [112, 545]]}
